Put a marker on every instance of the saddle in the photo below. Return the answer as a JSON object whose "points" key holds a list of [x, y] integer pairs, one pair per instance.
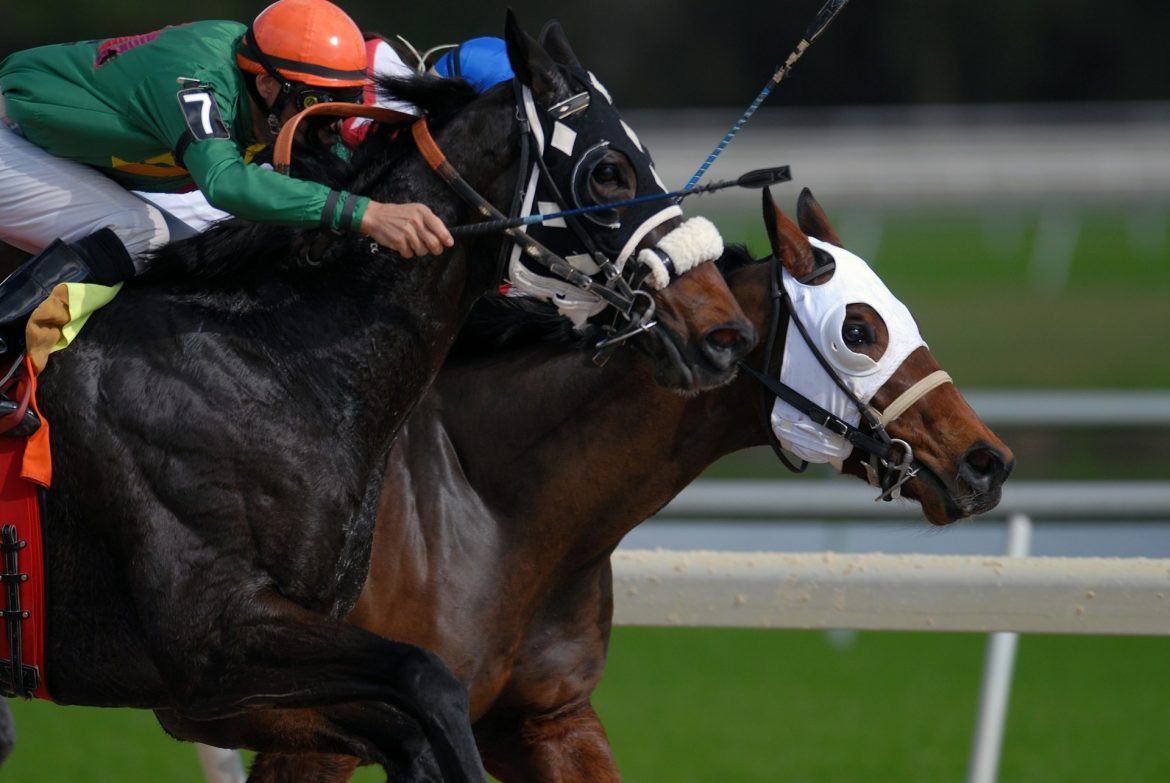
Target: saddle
{"points": [[22, 582], [25, 472]]}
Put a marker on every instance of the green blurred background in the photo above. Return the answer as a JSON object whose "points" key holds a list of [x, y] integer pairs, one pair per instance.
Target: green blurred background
{"points": [[697, 705]]}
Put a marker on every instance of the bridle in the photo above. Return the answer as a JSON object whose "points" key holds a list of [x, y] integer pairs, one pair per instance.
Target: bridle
{"points": [[891, 460], [634, 307], [615, 288], [558, 266]]}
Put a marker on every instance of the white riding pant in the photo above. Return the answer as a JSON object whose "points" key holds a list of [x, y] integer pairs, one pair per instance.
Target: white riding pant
{"points": [[43, 198]]}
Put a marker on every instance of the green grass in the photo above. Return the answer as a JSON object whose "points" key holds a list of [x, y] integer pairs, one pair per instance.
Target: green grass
{"points": [[77, 745], [687, 705], [684, 705]]}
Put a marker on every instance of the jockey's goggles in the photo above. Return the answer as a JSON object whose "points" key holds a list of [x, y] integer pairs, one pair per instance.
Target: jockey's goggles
{"points": [[305, 95]]}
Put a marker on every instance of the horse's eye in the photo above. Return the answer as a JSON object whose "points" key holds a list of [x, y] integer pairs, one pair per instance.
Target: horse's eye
{"points": [[857, 334], [607, 174]]}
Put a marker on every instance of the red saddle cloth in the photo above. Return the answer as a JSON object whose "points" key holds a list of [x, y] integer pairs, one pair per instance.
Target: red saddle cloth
{"points": [[20, 507]]}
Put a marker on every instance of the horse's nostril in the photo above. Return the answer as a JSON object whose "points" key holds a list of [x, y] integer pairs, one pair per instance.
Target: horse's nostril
{"points": [[724, 338], [726, 344], [980, 460], [983, 468]]}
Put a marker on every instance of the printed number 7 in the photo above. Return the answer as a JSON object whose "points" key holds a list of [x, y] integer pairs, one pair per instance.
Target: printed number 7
{"points": [[204, 101]]}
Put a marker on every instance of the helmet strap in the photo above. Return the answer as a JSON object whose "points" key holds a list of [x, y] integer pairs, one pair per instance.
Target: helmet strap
{"points": [[274, 110]]}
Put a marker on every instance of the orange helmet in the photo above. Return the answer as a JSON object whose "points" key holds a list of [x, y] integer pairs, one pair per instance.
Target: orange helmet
{"points": [[306, 41]]}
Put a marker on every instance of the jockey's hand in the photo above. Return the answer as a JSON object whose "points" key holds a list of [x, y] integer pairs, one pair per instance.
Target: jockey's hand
{"points": [[408, 229]]}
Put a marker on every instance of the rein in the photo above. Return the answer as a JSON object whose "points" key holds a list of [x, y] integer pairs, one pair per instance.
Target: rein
{"points": [[623, 301], [282, 150], [438, 162], [891, 460]]}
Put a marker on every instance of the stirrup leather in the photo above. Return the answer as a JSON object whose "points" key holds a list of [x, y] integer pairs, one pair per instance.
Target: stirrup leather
{"points": [[17, 418]]}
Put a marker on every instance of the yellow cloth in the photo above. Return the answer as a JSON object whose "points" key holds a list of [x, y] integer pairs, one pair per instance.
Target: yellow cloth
{"points": [[59, 319], [52, 326]]}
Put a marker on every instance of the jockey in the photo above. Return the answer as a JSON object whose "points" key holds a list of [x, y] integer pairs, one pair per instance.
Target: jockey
{"points": [[180, 108], [482, 62]]}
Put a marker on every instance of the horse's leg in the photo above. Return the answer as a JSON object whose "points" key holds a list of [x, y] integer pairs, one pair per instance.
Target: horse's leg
{"points": [[269, 652], [570, 747], [543, 727], [567, 747], [7, 730], [303, 768], [303, 727]]}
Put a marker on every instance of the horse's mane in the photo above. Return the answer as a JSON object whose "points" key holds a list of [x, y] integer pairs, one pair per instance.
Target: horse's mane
{"points": [[236, 250], [734, 258], [505, 323]]}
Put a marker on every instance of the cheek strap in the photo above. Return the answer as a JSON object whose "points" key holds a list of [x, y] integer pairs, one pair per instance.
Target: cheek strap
{"points": [[912, 395]]}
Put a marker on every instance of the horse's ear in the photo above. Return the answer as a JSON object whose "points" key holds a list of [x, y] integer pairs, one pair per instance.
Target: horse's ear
{"points": [[532, 64], [789, 243], [813, 220], [553, 39]]}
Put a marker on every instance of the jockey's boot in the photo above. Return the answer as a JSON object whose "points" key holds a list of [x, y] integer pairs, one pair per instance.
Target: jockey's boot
{"points": [[98, 258]]}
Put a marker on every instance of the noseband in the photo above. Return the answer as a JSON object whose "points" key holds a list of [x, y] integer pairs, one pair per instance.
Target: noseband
{"points": [[891, 460]]}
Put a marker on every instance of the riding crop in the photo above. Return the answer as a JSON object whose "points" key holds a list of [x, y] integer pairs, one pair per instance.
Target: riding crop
{"points": [[823, 18], [756, 179]]}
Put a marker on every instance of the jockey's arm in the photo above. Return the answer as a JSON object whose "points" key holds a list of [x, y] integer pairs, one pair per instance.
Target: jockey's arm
{"points": [[216, 165], [260, 194]]}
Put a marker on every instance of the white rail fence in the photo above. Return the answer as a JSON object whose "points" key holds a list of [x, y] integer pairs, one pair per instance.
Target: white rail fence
{"points": [[1001, 595], [1070, 595], [1004, 595]]}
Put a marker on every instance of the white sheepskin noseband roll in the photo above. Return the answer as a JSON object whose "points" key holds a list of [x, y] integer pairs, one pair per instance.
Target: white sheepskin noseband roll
{"points": [[694, 242]]}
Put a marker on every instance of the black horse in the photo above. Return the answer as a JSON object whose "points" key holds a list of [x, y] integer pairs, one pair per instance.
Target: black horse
{"points": [[221, 438]]}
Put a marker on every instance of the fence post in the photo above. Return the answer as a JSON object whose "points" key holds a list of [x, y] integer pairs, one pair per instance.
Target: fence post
{"points": [[997, 676]]}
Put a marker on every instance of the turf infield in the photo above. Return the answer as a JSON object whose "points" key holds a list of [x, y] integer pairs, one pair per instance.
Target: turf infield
{"points": [[691, 705]]}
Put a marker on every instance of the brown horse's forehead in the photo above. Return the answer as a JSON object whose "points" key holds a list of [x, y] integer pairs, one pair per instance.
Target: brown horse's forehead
{"points": [[701, 290]]}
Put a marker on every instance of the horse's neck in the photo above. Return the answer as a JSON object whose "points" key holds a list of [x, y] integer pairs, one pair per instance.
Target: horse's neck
{"points": [[574, 456], [433, 297]]}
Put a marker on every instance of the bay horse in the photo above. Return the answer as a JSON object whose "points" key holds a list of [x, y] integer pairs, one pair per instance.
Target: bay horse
{"points": [[221, 436], [520, 472]]}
